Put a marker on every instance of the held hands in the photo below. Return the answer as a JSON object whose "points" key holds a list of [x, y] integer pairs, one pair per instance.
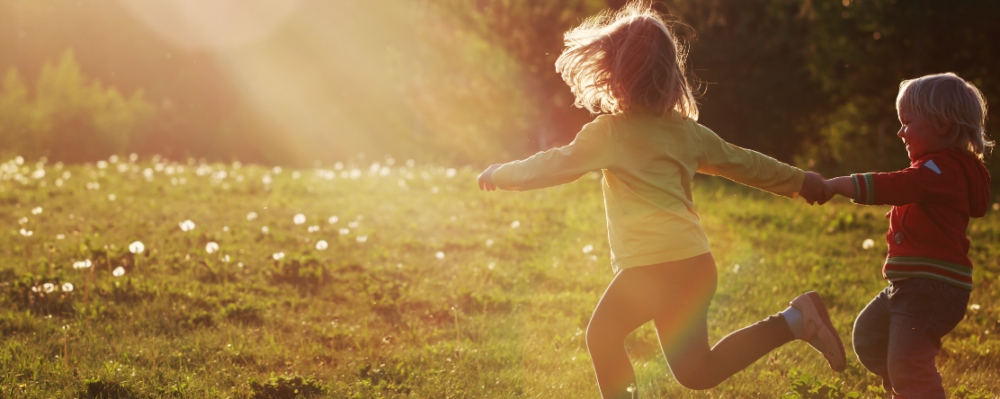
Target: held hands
{"points": [[486, 178], [816, 189]]}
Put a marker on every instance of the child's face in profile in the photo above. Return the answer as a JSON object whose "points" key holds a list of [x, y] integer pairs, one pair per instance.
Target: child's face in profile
{"points": [[920, 135]]}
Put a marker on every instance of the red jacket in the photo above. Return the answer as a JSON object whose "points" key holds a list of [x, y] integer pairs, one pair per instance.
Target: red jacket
{"points": [[932, 201]]}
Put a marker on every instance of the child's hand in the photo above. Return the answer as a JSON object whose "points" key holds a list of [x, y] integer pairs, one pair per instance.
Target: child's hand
{"points": [[486, 178], [816, 189]]}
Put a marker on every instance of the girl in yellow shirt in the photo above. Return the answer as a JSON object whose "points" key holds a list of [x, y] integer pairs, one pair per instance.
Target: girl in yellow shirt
{"points": [[648, 146]]}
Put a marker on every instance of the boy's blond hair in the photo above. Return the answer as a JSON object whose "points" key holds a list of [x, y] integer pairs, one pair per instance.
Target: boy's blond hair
{"points": [[943, 98], [627, 61]]}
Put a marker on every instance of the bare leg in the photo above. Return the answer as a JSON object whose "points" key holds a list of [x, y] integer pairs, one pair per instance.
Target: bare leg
{"points": [[676, 295]]}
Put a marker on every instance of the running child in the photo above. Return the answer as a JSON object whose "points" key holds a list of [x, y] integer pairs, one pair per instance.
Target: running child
{"points": [[649, 146], [898, 335]]}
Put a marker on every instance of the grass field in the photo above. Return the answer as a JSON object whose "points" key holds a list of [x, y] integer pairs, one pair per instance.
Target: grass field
{"points": [[426, 287]]}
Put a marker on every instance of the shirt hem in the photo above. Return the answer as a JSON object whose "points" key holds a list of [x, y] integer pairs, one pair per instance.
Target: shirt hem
{"points": [[662, 257]]}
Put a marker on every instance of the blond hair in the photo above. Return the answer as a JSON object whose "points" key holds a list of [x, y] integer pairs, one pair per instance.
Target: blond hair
{"points": [[946, 98], [627, 60]]}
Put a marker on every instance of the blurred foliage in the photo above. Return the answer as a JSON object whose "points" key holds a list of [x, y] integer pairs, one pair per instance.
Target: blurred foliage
{"points": [[471, 81], [67, 116]]}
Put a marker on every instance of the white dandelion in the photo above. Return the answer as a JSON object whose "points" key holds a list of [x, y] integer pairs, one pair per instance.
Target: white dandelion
{"points": [[313, 229], [491, 266], [333, 219], [211, 247], [36, 211], [278, 255], [102, 164], [974, 306], [362, 238], [321, 245], [434, 190], [83, 264], [27, 233], [868, 243], [515, 224], [345, 231], [353, 224], [111, 197], [48, 287], [588, 249], [276, 170], [119, 271], [60, 236], [489, 242], [451, 172], [296, 175], [251, 216], [736, 268], [264, 229], [187, 225], [225, 258], [225, 228], [266, 179], [439, 255], [136, 247], [67, 287], [299, 218]]}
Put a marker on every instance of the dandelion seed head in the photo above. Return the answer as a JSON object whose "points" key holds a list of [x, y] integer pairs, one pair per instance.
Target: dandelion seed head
{"points": [[119, 271], [36, 211], [266, 179], [211, 247], [102, 164], [333, 219], [353, 224], [111, 197], [736, 268], [345, 231], [515, 224], [489, 242], [974, 306], [278, 255], [491, 266], [67, 287], [60, 236], [264, 229], [588, 249], [439, 255], [868, 243], [48, 287], [321, 245], [113, 159], [187, 225], [435, 189], [276, 170], [299, 218], [251, 216], [451, 172], [136, 247], [313, 229], [362, 238]]}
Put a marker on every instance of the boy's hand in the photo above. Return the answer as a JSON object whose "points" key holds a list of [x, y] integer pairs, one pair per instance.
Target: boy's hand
{"points": [[486, 178], [816, 189]]}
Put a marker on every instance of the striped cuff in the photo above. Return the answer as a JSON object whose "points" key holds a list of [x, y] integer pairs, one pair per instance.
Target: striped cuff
{"points": [[903, 267], [864, 188]]}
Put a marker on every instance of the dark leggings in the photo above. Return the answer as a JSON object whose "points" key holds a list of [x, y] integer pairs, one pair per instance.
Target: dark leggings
{"points": [[675, 295]]}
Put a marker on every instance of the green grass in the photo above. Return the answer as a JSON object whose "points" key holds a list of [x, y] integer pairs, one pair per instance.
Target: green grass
{"points": [[386, 317]]}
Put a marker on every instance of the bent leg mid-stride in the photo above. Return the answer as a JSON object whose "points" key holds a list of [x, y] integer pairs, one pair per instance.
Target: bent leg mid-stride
{"points": [[676, 296]]}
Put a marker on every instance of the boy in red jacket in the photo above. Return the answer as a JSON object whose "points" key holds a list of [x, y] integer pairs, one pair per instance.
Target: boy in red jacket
{"points": [[898, 335]]}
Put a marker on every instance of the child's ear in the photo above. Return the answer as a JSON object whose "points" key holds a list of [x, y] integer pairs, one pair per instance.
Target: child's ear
{"points": [[944, 128]]}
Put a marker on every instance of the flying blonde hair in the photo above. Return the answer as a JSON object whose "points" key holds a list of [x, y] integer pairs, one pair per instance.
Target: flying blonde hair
{"points": [[943, 98], [628, 60]]}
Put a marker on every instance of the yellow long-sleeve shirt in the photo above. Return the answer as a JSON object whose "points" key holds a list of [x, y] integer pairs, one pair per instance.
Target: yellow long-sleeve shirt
{"points": [[648, 163]]}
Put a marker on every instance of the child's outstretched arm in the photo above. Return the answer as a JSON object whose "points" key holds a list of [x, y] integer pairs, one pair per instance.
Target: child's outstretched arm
{"points": [[593, 149], [757, 170], [843, 186]]}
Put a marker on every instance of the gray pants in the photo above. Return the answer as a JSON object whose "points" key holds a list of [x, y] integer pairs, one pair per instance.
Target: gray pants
{"points": [[898, 335]]}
